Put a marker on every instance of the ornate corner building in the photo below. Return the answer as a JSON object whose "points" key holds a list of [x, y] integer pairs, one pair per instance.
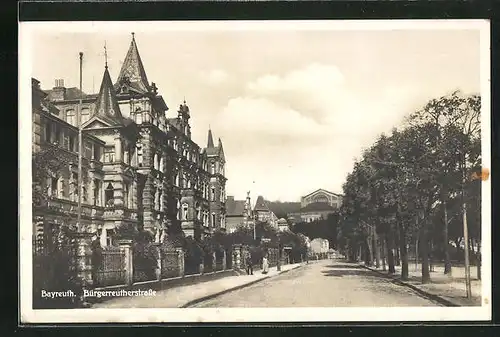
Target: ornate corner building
{"points": [[141, 169]]}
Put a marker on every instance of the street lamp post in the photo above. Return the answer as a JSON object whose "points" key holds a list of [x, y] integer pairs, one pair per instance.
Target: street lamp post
{"points": [[278, 264], [80, 149]]}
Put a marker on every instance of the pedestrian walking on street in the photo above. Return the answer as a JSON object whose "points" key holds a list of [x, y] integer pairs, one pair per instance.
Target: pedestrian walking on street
{"points": [[265, 265], [249, 263]]}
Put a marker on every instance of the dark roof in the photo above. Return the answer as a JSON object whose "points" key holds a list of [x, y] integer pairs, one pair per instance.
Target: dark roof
{"points": [[107, 106], [72, 94], [261, 204], [133, 69], [235, 207], [317, 206], [210, 142], [175, 122], [322, 190]]}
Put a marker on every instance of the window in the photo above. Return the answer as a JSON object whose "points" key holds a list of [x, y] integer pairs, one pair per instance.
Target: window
{"points": [[198, 211], [139, 155], [48, 132], [161, 202], [125, 195], [161, 164], [178, 210], [97, 152], [65, 143], [177, 179], [109, 154], [53, 187], [71, 117], [72, 144], [88, 150], [138, 116], [74, 187], [213, 194], [184, 211], [213, 219], [109, 239], [109, 195], [97, 189], [212, 168], [155, 162], [57, 133], [85, 115], [84, 194]]}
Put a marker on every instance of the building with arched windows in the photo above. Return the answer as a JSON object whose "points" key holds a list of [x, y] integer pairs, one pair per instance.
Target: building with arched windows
{"points": [[148, 172], [316, 206]]}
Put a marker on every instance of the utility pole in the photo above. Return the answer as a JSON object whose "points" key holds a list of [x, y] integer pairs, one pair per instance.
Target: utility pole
{"points": [[79, 216], [466, 238]]}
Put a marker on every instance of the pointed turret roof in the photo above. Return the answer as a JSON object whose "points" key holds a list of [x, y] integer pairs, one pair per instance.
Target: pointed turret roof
{"points": [[221, 150], [133, 70], [107, 106], [261, 204], [210, 143]]}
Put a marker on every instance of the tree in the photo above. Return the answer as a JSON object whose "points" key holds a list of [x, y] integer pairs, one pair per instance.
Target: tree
{"points": [[47, 162]]}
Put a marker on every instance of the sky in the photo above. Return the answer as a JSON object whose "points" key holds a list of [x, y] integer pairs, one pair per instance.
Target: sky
{"points": [[294, 107]]}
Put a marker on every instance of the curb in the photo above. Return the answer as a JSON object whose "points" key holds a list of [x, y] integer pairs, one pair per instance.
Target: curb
{"points": [[421, 292], [225, 291]]}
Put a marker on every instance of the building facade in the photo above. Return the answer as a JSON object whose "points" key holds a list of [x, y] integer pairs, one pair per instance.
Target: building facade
{"points": [[322, 196], [238, 213], [315, 206], [263, 213], [149, 173]]}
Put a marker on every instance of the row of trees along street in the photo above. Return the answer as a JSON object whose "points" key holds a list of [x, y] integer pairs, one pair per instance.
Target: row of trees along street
{"points": [[418, 187]]}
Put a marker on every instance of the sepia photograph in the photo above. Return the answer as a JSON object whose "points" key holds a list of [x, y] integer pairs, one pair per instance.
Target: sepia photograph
{"points": [[254, 171]]}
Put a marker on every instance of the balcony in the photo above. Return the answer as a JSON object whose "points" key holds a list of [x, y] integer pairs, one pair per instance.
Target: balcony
{"points": [[121, 212], [64, 206]]}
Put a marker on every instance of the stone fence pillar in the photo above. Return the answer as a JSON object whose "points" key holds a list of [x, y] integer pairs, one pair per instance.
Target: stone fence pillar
{"points": [[126, 246], [180, 263], [224, 266], [214, 262], [83, 262], [159, 257], [237, 257]]}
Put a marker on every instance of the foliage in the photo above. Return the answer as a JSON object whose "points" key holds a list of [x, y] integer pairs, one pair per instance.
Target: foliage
{"points": [[403, 183], [47, 162], [53, 268]]}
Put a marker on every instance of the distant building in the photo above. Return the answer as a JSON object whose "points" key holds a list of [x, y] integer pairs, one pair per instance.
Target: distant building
{"points": [[317, 205], [238, 213], [263, 213], [319, 246], [322, 196], [283, 224]]}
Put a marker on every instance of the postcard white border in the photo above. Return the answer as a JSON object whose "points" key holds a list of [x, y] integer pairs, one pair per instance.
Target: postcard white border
{"points": [[240, 315]]}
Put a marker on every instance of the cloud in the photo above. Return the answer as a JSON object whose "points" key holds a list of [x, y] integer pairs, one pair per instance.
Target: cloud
{"points": [[215, 76], [306, 123]]}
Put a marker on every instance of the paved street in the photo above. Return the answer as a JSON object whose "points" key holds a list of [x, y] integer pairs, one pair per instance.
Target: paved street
{"points": [[326, 283]]}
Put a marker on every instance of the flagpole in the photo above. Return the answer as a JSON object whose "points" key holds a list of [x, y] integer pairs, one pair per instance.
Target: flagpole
{"points": [[80, 149]]}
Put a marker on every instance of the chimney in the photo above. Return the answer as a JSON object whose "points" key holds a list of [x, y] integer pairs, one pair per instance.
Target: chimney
{"points": [[58, 93]]}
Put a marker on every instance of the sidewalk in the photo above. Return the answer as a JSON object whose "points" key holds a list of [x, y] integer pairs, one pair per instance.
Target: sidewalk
{"points": [[449, 288], [185, 296]]}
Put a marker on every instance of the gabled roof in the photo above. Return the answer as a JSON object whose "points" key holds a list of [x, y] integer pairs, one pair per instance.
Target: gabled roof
{"points": [[322, 190], [133, 69], [175, 122], [235, 207], [261, 204], [107, 107]]}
